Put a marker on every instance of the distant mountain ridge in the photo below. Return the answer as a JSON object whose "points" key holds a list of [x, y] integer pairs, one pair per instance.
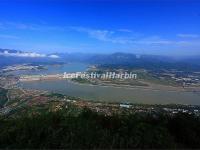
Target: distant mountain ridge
{"points": [[11, 57], [115, 60]]}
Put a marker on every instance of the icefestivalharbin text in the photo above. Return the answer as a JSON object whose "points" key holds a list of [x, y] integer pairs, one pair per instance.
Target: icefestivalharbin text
{"points": [[94, 75]]}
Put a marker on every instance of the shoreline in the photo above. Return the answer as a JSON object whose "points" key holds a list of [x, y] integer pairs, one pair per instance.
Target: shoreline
{"points": [[152, 87]]}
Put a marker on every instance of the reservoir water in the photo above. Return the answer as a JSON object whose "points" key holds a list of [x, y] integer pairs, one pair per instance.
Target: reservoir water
{"points": [[115, 94], [105, 93]]}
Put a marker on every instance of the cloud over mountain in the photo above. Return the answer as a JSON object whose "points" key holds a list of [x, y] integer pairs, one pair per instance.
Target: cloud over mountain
{"points": [[26, 54]]}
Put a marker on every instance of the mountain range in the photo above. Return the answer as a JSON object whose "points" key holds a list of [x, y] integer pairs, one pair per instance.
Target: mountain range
{"points": [[116, 60]]}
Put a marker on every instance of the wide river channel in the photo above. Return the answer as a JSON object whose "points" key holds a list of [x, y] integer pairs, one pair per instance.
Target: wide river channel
{"points": [[110, 93]]}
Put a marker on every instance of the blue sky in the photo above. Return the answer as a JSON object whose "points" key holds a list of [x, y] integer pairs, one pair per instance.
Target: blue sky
{"points": [[164, 27]]}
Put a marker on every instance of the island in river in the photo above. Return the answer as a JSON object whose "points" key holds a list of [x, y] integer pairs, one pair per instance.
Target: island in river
{"points": [[153, 94]]}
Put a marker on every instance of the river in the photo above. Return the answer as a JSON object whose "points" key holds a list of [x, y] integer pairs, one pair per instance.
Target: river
{"points": [[105, 93], [115, 94]]}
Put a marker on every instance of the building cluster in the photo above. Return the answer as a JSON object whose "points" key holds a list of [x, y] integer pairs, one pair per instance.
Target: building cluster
{"points": [[40, 77], [20, 67], [180, 77]]}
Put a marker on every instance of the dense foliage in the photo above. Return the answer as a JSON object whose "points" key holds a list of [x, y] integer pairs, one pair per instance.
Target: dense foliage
{"points": [[3, 96], [91, 130]]}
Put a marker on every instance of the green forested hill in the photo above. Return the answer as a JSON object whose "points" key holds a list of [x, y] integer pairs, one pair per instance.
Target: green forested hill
{"points": [[3, 97], [91, 130]]}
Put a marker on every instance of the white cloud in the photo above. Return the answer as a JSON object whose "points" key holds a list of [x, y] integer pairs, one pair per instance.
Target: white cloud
{"points": [[33, 27], [103, 35], [53, 56], [188, 35], [139, 40], [4, 36], [120, 36], [27, 54], [125, 30], [111, 36], [153, 40]]}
